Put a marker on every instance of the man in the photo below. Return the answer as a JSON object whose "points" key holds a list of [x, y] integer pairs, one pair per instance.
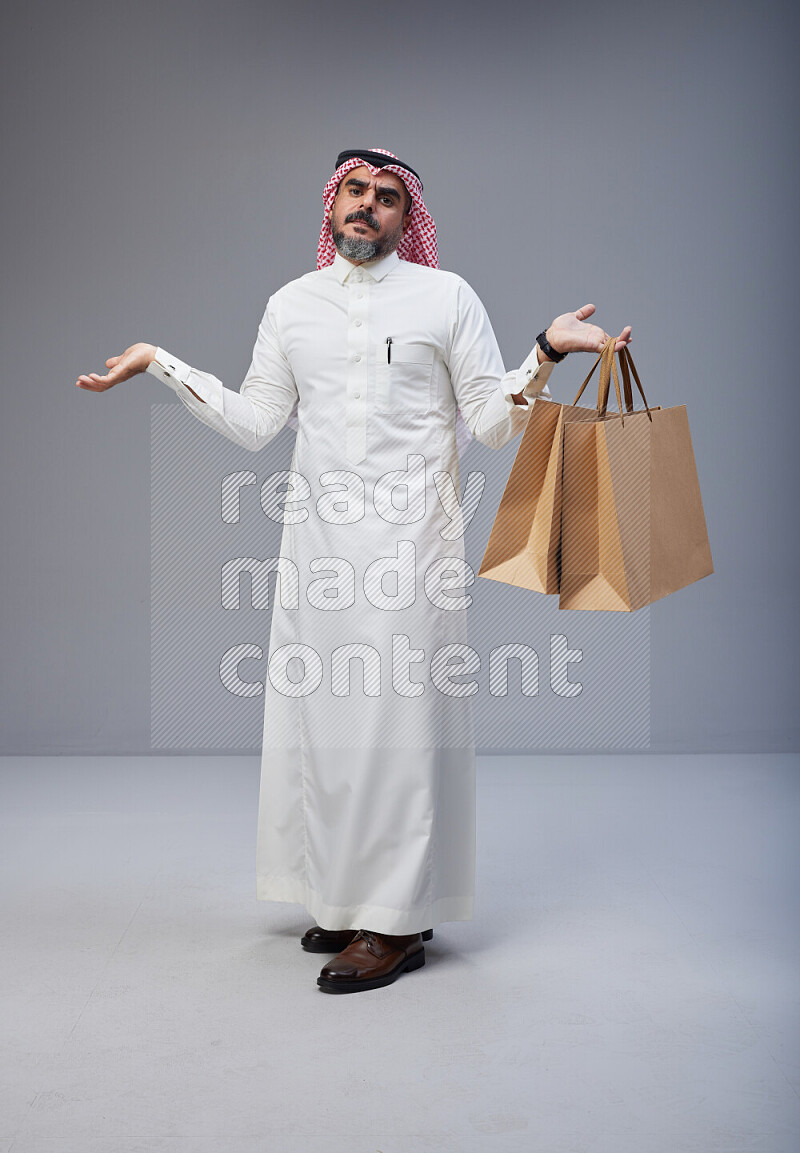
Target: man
{"points": [[379, 359]]}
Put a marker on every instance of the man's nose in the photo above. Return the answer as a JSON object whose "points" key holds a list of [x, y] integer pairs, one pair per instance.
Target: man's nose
{"points": [[368, 197]]}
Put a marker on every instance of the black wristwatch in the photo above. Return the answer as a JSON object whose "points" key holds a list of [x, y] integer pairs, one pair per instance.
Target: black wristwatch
{"points": [[548, 349]]}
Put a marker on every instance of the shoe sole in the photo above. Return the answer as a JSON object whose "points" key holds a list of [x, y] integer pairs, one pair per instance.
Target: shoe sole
{"points": [[345, 985], [321, 947]]}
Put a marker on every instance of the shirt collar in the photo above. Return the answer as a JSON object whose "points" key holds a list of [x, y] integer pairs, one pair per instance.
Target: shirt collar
{"points": [[375, 269]]}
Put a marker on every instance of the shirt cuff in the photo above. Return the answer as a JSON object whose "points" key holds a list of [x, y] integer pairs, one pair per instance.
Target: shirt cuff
{"points": [[176, 373], [530, 378]]}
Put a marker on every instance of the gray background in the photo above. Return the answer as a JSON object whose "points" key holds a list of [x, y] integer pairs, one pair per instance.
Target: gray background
{"points": [[163, 175]]}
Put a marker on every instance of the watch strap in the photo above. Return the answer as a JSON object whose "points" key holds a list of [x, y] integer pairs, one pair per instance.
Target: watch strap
{"points": [[548, 349]]}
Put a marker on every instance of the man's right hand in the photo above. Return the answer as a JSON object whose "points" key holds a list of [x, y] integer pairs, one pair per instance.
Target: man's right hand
{"points": [[133, 361]]}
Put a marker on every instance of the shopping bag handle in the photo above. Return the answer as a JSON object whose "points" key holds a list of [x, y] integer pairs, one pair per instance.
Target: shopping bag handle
{"points": [[607, 364], [628, 367], [608, 367]]}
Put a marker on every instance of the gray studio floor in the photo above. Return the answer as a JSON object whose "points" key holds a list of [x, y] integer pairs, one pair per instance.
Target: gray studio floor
{"points": [[629, 983]]}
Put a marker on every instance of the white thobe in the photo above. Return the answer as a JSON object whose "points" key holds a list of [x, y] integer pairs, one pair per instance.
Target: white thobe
{"points": [[367, 799]]}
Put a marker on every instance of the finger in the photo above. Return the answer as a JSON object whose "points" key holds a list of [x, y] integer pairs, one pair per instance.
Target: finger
{"points": [[585, 312], [112, 360], [96, 382]]}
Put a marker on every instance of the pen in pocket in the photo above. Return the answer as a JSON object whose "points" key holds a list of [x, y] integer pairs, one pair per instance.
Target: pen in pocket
{"points": [[388, 350]]}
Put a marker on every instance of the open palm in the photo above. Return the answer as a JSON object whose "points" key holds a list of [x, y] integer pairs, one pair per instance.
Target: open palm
{"points": [[570, 333], [132, 361]]}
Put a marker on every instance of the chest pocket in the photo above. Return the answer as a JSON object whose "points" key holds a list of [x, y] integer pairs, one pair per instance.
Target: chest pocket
{"points": [[404, 378]]}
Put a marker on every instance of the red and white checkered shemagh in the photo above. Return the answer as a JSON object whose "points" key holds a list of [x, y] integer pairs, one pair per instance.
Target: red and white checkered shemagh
{"points": [[419, 243]]}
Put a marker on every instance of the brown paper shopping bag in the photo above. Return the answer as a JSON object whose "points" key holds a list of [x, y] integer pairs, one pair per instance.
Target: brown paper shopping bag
{"points": [[632, 527], [524, 542]]}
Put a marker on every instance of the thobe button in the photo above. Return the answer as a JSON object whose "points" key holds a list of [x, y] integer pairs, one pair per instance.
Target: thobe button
{"points": [[358, 324], [357, 395], [359, 296], [356, 358]]}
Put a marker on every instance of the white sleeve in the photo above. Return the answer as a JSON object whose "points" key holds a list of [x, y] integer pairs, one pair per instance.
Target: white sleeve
{"points": [[255, 414], [482, 387]]}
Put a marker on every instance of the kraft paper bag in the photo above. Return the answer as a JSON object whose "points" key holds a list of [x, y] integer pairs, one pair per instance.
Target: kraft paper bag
{"points": [[523, 546], [633, 528]]}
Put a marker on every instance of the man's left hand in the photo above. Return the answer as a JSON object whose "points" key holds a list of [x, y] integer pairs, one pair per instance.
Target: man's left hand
{"points": [[570, 333]]}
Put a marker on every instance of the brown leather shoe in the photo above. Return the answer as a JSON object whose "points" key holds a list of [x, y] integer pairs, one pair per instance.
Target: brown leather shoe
{"points": [[372, 960], [317, 940]]}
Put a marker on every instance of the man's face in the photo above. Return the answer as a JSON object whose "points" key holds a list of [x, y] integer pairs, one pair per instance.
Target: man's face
{"points": [[369, 215]]}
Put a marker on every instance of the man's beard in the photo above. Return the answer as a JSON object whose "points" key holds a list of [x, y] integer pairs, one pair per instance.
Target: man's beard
{"points": [[356, 247], [361, 247]]}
